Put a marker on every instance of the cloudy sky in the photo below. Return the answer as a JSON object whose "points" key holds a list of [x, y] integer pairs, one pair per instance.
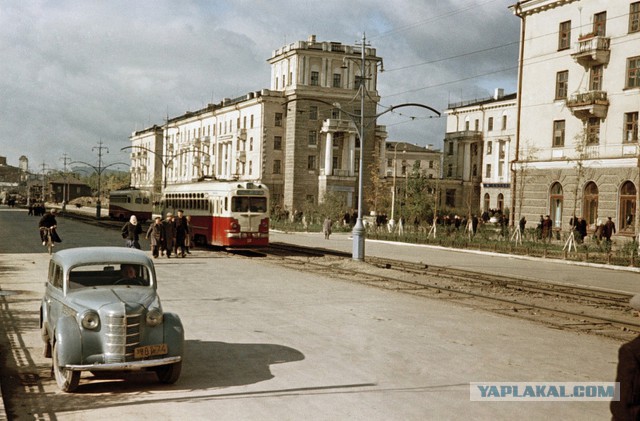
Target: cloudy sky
{"points": [[77, 73]]}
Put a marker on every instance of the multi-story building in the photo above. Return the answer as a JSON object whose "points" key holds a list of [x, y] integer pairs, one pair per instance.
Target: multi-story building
{"points": [[579, 95], [478, 149], [300, 137], [402, 159]]}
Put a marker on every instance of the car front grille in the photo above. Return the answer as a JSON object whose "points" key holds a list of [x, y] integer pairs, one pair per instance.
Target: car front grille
{"points": [[122, 336]]}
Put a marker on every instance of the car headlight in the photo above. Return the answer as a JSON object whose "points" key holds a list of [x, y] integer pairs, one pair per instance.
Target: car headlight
{"points": [[154, 317], [90, 320]]}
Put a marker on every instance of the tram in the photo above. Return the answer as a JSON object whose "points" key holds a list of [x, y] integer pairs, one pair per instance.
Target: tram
{"points": [[232, 214], [124, 203]]}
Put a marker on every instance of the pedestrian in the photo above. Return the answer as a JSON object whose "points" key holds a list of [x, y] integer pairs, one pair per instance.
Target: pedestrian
{"points": [[582, 227], [168, 234], [628, 378], [326, 227], [610, 229], [131, 232], [182, 231], [154, 235], [547, 228], [188, 240], [523, 224]]}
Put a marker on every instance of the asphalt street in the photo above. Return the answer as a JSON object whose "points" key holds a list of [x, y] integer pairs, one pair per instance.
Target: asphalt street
{"points": [[270, 343]]}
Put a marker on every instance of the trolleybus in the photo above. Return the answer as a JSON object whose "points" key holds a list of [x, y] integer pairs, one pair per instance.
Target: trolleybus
{"points": [[233, 214], [124, 203]]}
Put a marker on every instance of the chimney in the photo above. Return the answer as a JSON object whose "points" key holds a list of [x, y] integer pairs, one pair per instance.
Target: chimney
{"points": [[499, 93]]}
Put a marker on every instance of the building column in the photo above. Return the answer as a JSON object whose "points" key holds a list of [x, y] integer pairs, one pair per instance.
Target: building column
{"points": [[328, 154], [352, 155]]}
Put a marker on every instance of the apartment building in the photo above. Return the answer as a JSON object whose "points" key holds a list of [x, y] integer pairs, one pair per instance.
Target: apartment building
{"points": [[300, 137], [577, 145], [478, 149]]}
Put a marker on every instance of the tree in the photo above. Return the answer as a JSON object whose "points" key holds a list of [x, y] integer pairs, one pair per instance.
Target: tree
{"points": [[419, 203]]}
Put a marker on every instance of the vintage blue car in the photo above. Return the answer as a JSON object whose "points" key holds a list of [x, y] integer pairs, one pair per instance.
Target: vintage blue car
{"points": [[101, 312]]}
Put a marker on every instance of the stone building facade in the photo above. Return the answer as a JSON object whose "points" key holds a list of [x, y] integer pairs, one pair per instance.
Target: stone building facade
{"points": [[300, 137], [577, 145]]}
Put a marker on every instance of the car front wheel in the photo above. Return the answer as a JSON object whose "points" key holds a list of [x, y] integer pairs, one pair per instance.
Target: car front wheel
{"points": [[169, 373], [67, 380]]}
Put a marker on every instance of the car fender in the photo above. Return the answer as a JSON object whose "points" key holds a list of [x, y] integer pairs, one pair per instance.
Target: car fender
{"points": [[173, 334], [68, 340]]}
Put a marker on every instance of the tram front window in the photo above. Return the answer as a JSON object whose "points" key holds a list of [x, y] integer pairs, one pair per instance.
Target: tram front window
{"points": [[249, 204]]}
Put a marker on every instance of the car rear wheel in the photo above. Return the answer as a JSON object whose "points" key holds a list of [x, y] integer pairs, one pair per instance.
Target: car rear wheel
{"points": [[169, 373], [67, 380]]}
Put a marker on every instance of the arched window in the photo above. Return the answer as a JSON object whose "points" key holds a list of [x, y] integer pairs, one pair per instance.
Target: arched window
{"points": [[501, 202], [627, 207], [487, 202], [590, 203], [555, 200]]}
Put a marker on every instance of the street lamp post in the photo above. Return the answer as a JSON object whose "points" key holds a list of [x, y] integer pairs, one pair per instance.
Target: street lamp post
{"points": [[99, 170], [358, 230]]}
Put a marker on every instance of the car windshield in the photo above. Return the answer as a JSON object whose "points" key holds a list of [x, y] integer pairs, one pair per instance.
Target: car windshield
{"points": [[95, 275]]}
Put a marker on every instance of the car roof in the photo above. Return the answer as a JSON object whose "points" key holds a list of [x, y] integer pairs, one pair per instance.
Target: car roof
{"points": [[98, 255]]}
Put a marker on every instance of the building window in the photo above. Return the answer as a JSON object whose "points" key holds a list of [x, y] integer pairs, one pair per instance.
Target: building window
{"points": [[337, 80], [489, 147], [600, 24], [313, 112], [277, 166], [504, 122], [250, 167], [250, 144], [313, 138], [630, 127], [430, 164], [335, 113], [633, 72], [278, 120], [556, 199], [450, 152], [593, 131], [634, 17], [487, 202], [358, 81], [487, 173], [500, 201], [562, 84], [558, 133], [590, 203], [311, 162], [251, 124], [450, 198], [450, 170], [627, 206], [490, 124], [564, 35], [477, 125], [466, 125], [596, 77], [277, 143], [315, 78]]}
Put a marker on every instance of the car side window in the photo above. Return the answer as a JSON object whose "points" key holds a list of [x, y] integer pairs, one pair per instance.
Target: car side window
{"points": [[56, 276]]}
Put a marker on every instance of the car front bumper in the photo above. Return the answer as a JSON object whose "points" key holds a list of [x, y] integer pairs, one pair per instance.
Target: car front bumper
{"points": [[124, 366]]}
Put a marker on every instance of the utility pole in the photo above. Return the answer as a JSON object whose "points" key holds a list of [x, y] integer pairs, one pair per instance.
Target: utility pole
{"points": [[65, 187], [99, 148]]}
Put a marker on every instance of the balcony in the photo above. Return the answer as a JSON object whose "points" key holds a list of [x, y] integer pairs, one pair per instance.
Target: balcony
{"points": [[589, 104], [592, 50], [465, 135]]}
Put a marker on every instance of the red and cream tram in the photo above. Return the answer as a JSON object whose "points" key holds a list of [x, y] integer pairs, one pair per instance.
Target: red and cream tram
{"points": [[124, 203], [223, 213]]}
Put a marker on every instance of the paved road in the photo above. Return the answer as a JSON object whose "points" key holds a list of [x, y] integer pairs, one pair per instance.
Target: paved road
{"points": [[269, 343]]}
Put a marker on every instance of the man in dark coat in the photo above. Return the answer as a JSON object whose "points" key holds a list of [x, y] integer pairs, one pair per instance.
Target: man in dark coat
{"points": [[182, 230], [168, 234], [628, 375]]}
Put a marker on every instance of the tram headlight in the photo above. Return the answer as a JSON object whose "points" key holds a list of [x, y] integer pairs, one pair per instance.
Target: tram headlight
{"points": [[154, 317], [90, 320]]}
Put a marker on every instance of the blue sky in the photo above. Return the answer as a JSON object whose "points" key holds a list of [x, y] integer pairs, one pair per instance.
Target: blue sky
{"points": [[75, 73]]}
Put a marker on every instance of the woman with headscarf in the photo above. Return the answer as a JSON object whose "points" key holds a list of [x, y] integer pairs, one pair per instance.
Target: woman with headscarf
{"points": [[131, 232]]}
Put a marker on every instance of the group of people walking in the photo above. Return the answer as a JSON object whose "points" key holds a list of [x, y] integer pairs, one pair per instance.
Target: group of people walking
{"points": [[169, 236]]}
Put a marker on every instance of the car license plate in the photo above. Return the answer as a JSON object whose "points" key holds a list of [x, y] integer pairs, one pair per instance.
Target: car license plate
{"points": [[150, 350]]}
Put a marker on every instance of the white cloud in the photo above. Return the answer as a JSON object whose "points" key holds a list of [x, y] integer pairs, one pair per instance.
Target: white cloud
{"points": [[75, 73]]}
